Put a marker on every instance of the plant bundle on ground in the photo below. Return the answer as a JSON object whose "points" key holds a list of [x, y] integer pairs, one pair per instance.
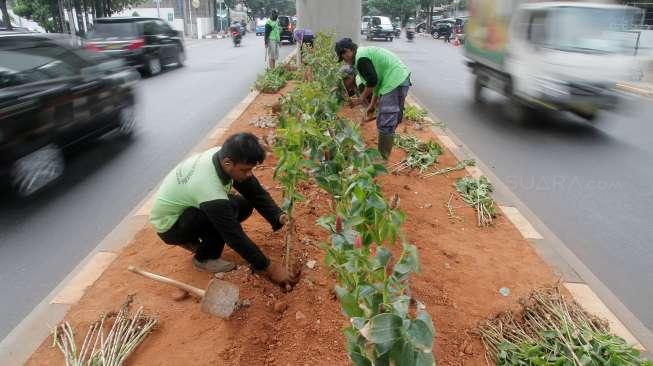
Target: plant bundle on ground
{"points": [[460, 166], [556, 332], [388, 326], [105, 349], [414, 113], [419, 154], [478, 194], [272, 80]]}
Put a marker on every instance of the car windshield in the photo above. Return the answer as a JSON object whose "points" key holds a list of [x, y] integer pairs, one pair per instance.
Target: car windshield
{"points": [[114, 29], [283, 21], [592, 30]]}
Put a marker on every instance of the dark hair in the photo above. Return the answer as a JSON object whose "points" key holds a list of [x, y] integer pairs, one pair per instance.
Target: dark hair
{"points": [[242, 148], [274, 15]]}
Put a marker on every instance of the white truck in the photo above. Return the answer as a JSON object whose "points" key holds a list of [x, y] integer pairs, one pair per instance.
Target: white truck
{"points": [[561, 56]]}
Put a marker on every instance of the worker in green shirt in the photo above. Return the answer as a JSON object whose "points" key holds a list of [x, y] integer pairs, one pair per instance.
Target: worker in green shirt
{"points": [[272, 39], [196, 209], [387, 79]]}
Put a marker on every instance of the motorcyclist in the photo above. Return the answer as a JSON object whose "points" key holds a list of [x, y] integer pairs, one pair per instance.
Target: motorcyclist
{"points": [[234, 29], [410, 28]]}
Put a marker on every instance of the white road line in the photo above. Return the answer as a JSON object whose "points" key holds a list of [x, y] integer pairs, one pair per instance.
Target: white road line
{"points": [[591, 302], [75, 289], [525, 228]]}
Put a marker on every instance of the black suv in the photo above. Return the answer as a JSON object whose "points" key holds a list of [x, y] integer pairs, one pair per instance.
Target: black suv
{"points": [[52, 97], [287, 25], [146, 43]]}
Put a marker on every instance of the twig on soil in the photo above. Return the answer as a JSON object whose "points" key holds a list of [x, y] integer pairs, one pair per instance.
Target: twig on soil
{"points": [[460, 166], [451, 209]]}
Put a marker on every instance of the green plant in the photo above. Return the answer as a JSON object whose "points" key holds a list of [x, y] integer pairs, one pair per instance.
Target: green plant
{"points": [[419, 155], [478, 194], [272, 80], [387, 325], [553, 331], [414, 113]]}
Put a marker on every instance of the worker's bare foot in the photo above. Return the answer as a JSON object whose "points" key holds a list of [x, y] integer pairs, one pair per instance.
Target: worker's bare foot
{"points": [[279, 275], [214, 265]]}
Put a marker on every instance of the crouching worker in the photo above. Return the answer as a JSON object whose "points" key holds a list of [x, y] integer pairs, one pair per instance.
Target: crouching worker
{"points": [[195, 208], [387, 79]]}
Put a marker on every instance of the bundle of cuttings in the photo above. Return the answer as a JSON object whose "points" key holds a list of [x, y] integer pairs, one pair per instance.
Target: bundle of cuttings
{"points": [[460, 166], [100, 348], [419, 154], [554, 331], [478, 194]]}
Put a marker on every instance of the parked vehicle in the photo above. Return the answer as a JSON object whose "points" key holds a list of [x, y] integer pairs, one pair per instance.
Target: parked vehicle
{"points": [[380, 27], [364, 20], [53, 97], [260, 27], [287, 25], [442, 28], [558, 56], [148, 44]]}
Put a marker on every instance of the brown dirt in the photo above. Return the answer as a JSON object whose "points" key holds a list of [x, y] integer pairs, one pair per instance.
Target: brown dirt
{"points": [[463, 268]]}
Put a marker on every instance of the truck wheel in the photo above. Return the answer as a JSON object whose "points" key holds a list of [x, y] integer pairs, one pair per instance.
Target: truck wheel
{"points": [[519, 112], [478, 90]]}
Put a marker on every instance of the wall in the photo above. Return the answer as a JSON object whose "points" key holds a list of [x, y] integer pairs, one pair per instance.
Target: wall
{"points": [[340, 16]]}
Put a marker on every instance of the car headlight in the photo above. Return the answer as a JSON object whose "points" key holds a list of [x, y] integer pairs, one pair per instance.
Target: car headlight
{"points": [[552, 87]]}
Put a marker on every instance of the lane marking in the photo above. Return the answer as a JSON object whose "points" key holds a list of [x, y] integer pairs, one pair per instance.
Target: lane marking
{"points": [[525, 228], [86, 277], [584, 296]]}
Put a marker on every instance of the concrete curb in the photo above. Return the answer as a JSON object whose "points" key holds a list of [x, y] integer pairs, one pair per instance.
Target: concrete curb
{"points": [[27, 336], [644, 90], [586, 288]]}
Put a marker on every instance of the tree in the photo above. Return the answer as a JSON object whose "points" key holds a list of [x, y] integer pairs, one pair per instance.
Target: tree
{"points": [[6, 19], [44, 12], [262, 8]]}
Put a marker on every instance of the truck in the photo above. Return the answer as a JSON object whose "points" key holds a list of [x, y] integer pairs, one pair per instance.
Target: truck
{"points": [[554, 56]]}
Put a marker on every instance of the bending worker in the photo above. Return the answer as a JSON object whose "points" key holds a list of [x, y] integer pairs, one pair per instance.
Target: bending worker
{"points": [[387, 79], [195, 208]]}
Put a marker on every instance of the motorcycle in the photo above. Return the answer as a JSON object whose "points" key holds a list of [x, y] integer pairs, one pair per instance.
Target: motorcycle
{"points": [[236, 37], [410, 34]]}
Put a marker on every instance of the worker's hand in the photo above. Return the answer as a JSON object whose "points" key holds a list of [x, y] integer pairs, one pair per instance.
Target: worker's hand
{"points": [[354, 101], [279, 275], [283, 219], [369, 113]]}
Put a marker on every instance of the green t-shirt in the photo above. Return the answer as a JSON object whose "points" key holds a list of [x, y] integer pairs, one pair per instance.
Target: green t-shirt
{"points": [[275, 33], [390, 71], [194, 181]]}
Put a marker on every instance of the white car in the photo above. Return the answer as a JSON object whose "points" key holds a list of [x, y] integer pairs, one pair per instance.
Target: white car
{"points": [[364, 22]]}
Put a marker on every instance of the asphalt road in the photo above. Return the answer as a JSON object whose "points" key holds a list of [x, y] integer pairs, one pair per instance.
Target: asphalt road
{"points": [[591, 183], [41, 240]]}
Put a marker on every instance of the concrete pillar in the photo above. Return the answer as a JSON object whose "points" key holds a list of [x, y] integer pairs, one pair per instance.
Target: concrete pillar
{"points": [[342, 17]]}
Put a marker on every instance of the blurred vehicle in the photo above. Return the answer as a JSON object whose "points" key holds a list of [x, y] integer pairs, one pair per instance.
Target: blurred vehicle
{"points": [[53, 97], [148, 44], [260, 27], [243, 28], [236, 35], [380, 27], [410, 29], [287, 25], [421, 27], [397, 27], [442, 28], [364, 21], [558, 56]]}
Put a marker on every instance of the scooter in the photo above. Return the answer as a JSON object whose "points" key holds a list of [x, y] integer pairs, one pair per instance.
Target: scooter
{"points": [[236, 38], [410, 34]]}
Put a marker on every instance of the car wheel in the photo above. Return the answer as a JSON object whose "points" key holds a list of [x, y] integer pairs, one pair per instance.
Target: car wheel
{"points": [[153, 66], [181, 57], [391, 39], [127, 121], [478, 90], [36, 170]]}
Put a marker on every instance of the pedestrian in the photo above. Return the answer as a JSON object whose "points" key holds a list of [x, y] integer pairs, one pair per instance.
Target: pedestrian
{"points": [[387, 79], [196, 209], [272, 39], [447, 33]]}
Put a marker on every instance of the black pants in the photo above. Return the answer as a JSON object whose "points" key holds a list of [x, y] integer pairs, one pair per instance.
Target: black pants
{"points": [[195, 232]]}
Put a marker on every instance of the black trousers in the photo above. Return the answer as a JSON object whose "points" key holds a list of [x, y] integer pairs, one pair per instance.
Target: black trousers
{"points": [[195, 232]]}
